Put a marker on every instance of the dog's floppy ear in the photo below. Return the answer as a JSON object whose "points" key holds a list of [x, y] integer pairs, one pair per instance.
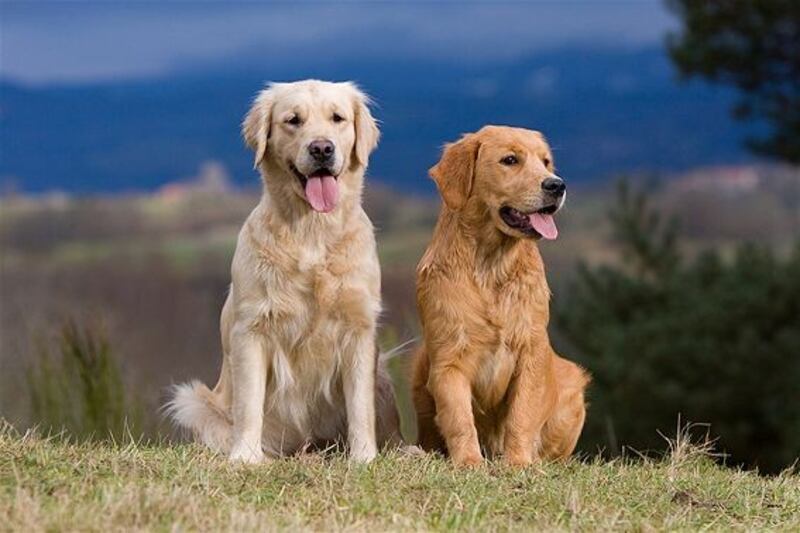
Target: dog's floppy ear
{"points": [[257, 122], [455, 171], [367, 133]]}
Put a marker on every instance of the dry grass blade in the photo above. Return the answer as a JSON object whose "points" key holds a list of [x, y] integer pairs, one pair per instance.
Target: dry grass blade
{"points": [[56, 484]]}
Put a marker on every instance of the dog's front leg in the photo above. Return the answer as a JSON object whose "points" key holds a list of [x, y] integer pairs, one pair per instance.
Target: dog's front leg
{"points": [[248, 373], [528, 404], [359, 395], [452, 392]]}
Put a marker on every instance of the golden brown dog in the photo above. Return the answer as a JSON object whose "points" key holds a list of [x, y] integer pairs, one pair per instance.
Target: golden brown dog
{"points": [[486, 376]]}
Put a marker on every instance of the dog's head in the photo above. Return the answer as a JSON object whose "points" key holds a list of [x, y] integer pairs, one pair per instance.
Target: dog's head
{"points": [[504, 176], [316, 136]]}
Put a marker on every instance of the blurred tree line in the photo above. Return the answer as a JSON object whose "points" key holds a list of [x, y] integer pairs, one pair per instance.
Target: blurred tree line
{"points": [[711, 340]]}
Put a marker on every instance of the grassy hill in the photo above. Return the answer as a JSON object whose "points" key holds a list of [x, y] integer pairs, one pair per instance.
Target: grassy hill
{"points": [[50, 484]]}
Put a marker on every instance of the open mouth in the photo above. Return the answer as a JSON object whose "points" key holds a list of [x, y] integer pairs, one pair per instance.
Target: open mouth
{"points": [[539, 223], [321, 188]]}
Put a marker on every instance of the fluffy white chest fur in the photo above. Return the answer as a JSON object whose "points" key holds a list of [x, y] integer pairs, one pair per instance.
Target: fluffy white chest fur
{"points": [[310, 306], [310, 313], [295, 307]]}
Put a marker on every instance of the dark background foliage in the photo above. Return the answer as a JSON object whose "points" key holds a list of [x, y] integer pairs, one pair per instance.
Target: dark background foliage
{"points": [[755, 47], [711, 339]]}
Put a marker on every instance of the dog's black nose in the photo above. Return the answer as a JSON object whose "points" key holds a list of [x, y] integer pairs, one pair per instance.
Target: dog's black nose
{"points": [[321, 150], [554, 186]]}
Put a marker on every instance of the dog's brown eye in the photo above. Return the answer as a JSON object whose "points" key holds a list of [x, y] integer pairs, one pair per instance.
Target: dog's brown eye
{"points": [[546, 162], [337, 117], [294, 120], [509, 160]]}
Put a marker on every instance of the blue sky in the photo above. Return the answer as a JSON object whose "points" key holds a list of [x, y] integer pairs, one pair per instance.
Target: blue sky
{"points": [[78, 42]]}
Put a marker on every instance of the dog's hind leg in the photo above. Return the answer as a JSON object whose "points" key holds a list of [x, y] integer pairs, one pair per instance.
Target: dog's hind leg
{"points": [[561, 431]]}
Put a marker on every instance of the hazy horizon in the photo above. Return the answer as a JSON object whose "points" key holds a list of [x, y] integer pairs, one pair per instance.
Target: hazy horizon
{"points": [[136, 95]]}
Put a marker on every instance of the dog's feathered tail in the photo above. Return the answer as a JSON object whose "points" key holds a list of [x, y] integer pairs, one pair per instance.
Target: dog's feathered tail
{"points": [[196, 408]]}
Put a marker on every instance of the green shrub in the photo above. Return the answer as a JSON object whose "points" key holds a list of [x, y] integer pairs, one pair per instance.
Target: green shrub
{"points": [[712, 340], [81, 392]]}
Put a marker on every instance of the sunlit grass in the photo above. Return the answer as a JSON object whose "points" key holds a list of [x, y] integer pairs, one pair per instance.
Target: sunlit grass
{"points": [[51, 484]]}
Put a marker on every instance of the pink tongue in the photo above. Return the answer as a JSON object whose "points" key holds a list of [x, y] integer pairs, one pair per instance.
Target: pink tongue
{"points": [[322, 193], [545, 225]]}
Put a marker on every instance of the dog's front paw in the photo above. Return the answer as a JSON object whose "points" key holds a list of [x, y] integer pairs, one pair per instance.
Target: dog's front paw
{"points": [[468, 461], [519, 461], [522, 459], [363, 453], [245, 453]]}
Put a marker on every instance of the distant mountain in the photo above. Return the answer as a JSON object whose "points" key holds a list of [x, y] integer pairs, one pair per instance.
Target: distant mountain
{"points": [[604, 111]]}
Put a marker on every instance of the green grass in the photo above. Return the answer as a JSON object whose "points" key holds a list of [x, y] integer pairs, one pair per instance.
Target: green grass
{"points": [[51, 484]]}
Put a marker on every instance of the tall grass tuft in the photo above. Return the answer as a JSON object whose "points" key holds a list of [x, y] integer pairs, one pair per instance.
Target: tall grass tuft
{"points": [[81, 392]]}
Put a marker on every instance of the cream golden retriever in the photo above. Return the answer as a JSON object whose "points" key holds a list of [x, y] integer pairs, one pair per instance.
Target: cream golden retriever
{"points": [[486, 377], [300, 364]]}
